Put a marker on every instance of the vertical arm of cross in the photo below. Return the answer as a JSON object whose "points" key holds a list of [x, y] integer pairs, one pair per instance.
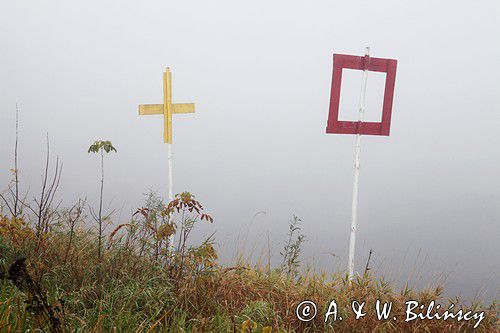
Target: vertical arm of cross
{"points": [[167, 106]]}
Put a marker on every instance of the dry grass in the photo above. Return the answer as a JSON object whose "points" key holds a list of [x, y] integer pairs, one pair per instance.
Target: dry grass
{"points": [[142, 286]]}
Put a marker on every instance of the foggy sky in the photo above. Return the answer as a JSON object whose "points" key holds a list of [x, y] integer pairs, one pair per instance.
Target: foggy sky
{"points": [[260, 74]]}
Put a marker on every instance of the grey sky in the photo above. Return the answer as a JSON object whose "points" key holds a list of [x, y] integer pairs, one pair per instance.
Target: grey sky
{"points": [[260, 75]]}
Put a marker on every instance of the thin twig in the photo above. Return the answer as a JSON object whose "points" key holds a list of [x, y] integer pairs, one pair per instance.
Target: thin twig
{"points": [[16, 172], [367, 268]]}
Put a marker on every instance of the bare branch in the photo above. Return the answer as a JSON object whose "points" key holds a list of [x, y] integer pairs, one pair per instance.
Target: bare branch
{"points": [[23, 203], [16, 170], [7, 204]]}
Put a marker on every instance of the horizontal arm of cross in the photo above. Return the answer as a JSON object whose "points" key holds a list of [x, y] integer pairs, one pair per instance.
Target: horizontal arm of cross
{"points": [[183, 108], [150, 109], [147, 109]]}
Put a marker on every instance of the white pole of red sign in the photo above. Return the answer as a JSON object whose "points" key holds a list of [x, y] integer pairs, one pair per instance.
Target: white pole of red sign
{"points": [[354, 220], [336, 126]]}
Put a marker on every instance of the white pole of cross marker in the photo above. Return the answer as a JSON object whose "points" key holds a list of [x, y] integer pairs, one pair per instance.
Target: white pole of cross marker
{"points": [[167, 102], [170, 187], [354, 220], [167, 106], [169, 161]]}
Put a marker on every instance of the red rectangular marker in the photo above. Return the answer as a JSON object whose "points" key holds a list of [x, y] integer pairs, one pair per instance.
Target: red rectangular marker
{"points": [[341, 61]]}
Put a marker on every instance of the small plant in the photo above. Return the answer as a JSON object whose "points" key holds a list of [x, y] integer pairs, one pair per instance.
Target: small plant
{"points": [[71, 217], [151, 227], [292, 248], [100, 147], [151, 231], [189, 211]]}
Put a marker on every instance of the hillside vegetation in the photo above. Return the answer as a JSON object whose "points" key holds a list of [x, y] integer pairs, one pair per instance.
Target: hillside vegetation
{"points": [[55, 278]]}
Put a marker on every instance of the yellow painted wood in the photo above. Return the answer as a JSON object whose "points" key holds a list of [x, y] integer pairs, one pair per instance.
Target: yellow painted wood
{"points": [[167, 108], [149, 109], [183, 108]]}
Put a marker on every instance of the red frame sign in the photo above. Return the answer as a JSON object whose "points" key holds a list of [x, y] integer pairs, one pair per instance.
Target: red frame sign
{"points": [[341, 61]]}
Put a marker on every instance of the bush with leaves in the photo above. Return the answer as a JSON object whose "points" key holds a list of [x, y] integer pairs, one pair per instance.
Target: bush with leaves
{"points": [[292, 248]]}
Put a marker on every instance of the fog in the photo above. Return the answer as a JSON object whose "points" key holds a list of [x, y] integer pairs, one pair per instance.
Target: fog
{"points": [[255, 152]]}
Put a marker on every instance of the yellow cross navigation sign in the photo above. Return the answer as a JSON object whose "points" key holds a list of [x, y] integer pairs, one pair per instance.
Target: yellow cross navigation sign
{"points": [[167, 108]]}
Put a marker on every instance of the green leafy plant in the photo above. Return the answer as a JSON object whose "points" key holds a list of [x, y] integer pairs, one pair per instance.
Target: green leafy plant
{"points": [[292, 248], [100, 147]]}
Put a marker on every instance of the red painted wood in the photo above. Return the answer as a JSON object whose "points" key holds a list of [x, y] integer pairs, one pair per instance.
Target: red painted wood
{"points": [[341, 61]]}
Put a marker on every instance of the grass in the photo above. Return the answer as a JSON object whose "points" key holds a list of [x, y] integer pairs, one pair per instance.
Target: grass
{"points": [[145, 284]]}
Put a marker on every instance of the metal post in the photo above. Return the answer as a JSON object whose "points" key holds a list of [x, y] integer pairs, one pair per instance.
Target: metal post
{"points": [[170, 185], [362, 105]]}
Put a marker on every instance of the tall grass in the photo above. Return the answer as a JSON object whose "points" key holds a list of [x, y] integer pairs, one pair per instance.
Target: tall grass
{"points": [[148, 285]]}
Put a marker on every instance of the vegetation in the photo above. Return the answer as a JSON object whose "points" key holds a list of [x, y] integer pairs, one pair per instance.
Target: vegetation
{"points": [[291, 250], [147, 285], [100, 147], [59, 274]]}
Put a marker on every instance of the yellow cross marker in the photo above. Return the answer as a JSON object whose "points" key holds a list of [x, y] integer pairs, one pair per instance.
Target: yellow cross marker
{"points": [[167, 108]]}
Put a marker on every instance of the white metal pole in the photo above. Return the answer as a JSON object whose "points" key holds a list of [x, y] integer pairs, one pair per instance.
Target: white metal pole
{"points": [[354, 220], [170, 186]]}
